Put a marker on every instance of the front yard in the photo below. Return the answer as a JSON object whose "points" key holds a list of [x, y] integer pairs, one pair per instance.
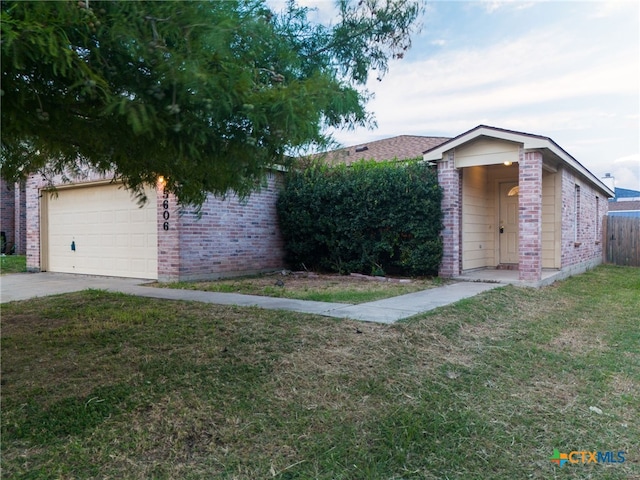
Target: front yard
{"points": [[100, 385], [352, 289]]}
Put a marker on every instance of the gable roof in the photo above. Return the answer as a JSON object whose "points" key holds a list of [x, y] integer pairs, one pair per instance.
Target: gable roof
{"points": [[529, 142], [401, 147]]}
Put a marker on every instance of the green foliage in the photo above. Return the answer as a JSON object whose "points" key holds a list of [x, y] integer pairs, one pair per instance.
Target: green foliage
{"points": [[13, 264], [373, 218], [319, 288], [208, 94]]}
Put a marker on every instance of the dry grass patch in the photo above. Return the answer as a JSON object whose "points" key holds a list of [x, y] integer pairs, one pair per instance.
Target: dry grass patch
{"points": [[352, 289], [100, 385], [577, 341], [622, 384], [338, 358]]}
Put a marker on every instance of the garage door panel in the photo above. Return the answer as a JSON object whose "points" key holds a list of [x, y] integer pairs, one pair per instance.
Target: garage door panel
{"points": [[139, 265], [112, 235], [138, 217], [123, 216], [138, 240], [122, 241], [106, 217], [93, 217], [92, 242]]}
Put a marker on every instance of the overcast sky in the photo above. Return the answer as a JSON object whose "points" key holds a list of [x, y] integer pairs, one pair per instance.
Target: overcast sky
{"points": [[566, 70]]}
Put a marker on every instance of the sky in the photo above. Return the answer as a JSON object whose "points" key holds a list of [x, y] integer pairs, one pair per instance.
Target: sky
{"points": [[565, 70]]}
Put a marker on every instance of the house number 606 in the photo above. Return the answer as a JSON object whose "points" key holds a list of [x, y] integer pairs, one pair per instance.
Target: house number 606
{"points": [[165, 213]]}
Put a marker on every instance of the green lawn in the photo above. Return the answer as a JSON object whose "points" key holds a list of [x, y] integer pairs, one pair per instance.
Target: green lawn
{"points": [[320, 288], [101, 385], [13, 264]]}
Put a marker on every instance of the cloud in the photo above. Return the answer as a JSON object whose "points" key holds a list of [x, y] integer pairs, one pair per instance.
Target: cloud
{"points": [[608, 8], [629, 159], [514, 75], [320, 11], [626, 171], [625, 177], [567, 70], [491, 6]]}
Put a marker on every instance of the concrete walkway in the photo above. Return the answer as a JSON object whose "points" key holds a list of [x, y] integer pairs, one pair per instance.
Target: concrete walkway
{"points": [[24, 286]]}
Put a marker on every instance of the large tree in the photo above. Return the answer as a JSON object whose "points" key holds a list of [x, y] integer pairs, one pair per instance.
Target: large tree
{"points": [[208, 94]]}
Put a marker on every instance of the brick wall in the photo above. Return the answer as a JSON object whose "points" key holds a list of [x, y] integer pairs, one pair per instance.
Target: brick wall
{"points": [[530, 216], [583, 209], [7, 213], [20, 219], [34, 183], [229, 237], [450, 181], [169, 244]]}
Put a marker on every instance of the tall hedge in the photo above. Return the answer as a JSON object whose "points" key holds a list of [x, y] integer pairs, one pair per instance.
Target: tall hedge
{"points": [[371, 217]]}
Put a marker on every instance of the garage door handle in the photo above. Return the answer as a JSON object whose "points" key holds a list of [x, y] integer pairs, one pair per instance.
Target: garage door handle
{"points": [[73, 245]]}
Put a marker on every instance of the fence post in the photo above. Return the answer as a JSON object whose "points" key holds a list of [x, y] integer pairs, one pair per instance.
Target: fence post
{"points": [[605, 240]]}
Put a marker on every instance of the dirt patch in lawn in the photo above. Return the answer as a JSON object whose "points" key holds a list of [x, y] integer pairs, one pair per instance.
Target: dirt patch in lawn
{"points": [[577, 342], [351, 289], [36, 323], [320, 281]]}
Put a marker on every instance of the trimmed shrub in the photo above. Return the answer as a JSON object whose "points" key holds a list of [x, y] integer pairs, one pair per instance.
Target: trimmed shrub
{"points": [[372, 218]]}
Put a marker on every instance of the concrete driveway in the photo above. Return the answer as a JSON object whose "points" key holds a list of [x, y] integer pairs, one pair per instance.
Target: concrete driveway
{"points": [[23, 286]]}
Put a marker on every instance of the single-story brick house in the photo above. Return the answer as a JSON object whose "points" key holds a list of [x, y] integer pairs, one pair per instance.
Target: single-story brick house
{"points": [[93, 226], [517, 201], [547, 206]]}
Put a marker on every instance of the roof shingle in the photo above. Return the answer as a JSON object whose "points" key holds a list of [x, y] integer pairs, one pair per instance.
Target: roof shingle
{"points": [[401, 147]]}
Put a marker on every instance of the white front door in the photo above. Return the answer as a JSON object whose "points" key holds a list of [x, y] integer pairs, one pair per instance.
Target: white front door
{"points": [[508, 236]]}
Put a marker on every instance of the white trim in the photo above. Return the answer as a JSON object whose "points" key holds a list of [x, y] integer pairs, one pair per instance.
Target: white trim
{"points": [[529, 143]]}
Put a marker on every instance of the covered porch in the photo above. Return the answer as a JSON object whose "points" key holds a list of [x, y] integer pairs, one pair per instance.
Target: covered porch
{"points": [[502, 206], [492, 199]]}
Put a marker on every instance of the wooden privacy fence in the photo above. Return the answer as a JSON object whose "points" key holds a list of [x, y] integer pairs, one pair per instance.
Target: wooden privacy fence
{"points": [[621, 240]]}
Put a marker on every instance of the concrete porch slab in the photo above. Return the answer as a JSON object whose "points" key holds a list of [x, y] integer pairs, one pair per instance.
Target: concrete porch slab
{"points": [[509, 277]]}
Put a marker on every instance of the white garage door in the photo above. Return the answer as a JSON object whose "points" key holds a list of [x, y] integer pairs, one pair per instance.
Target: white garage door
{"points": [[101, 230]]}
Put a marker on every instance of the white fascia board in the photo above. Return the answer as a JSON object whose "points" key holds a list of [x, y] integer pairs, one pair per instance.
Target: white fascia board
{"points": [[438, 153], [572, 162], [529, 143]]}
